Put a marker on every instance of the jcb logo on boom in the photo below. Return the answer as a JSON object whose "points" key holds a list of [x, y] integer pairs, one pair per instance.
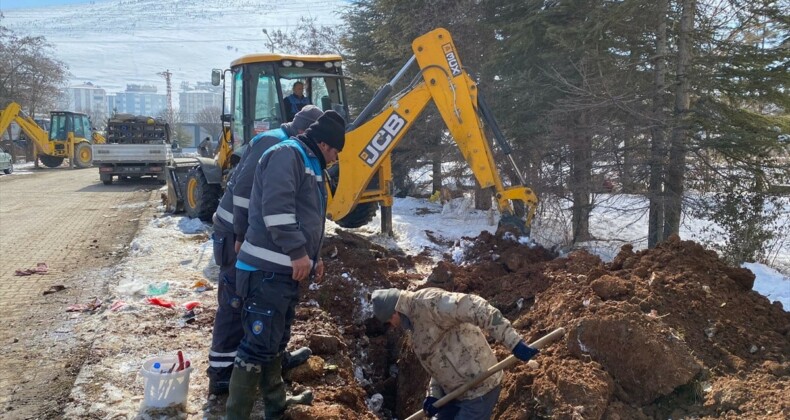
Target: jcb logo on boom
{"points": [[379, 143], [452, 59]]}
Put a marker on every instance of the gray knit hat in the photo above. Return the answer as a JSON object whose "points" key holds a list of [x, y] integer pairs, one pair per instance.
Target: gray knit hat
{"points": [[384, 301], [306, 116]]}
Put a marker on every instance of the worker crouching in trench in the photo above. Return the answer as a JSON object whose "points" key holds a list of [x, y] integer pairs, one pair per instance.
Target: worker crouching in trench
{"points": [[447, 336]]}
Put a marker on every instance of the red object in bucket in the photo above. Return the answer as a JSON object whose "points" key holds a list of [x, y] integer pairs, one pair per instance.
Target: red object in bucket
{"points": [[180, 361], [191, 305]]}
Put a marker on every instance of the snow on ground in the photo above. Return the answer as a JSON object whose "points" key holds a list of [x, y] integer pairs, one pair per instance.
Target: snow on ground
{"points": [[771, 283], [170, 253], [23, 168]]}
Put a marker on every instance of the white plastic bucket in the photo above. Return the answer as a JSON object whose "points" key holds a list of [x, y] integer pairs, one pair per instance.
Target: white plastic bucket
{"points": [[165, 389]]}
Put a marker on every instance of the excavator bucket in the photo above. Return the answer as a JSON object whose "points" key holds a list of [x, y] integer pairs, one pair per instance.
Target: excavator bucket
{"points": [[513, 224], [176, 183]]}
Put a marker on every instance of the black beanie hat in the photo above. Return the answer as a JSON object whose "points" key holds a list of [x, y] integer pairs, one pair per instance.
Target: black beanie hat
{"points": [[330, 128], [308, 115]]}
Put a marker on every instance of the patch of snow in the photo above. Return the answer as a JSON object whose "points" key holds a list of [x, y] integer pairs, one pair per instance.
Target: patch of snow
{"points": [[771, 283], [190, 226]]}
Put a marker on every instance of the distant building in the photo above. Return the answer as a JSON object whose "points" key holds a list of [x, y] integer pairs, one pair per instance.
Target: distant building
{"points": [[193, 100], [86, 98], [138, 100]]}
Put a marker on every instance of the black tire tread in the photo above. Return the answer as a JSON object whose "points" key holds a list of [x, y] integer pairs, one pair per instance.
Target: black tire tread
{"points": [[208, 196]]}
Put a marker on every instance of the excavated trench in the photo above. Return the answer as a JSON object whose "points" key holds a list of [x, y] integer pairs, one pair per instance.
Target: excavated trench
{"points": [[670, 332]]}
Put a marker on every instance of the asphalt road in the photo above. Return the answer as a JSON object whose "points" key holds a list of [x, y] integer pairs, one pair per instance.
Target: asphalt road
{"points": [[80, 228]]}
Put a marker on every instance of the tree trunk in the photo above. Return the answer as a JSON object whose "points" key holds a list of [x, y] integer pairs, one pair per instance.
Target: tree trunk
{"points": [[655, 224], [677, 145], [581, 179], [483, 197], [626, 174], [436, 169]]}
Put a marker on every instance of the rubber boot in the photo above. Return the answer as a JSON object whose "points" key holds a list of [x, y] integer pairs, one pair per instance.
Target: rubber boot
{"points": [[296, 358], [243, 386], [273, 389]]}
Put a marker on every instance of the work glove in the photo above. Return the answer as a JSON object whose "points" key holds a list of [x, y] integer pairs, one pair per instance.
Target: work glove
{"points": [[428, 408], [524, 352]]}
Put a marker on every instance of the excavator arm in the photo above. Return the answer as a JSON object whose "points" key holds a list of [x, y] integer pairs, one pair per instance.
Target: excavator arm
{"points": [[39, 137], [369, 143]]}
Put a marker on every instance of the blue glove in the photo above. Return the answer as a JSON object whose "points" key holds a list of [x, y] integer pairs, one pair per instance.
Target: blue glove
{"points": [[524, 352], [428, 408]]}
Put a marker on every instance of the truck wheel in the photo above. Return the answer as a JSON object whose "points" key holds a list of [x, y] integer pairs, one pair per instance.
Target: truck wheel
{"points": [[51, 161], [361, 214], [201, 198], [106, 179], [83, 155], [9, 170]]}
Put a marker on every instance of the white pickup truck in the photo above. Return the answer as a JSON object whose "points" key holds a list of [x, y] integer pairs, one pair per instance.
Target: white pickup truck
{"points": [[136, 147]]}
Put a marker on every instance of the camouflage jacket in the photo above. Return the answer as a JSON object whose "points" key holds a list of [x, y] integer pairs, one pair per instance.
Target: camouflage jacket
{"points": [[447, 338]]}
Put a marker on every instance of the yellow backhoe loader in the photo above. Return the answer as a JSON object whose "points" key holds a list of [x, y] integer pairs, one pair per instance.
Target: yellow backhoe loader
{"points": [[259, 84], [70, 136], [362, 179]]}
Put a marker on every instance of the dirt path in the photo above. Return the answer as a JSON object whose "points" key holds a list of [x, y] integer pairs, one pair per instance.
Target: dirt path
{"points": [[79, 227]]}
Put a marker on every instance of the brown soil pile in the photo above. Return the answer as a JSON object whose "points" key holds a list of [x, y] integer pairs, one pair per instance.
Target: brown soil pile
{"points": [[670, 332]]}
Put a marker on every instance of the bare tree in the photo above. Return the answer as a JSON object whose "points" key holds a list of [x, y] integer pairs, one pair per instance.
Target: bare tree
{"points": [[308, 38], [209, 119], [28, 73]]}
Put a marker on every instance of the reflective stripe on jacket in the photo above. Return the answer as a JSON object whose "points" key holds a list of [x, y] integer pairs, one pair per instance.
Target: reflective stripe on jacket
{"points": [[287, 208]]}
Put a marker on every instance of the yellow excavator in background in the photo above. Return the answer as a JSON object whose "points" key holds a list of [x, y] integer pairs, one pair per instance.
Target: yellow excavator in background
{"points": [[362, 179], [70, 136]]}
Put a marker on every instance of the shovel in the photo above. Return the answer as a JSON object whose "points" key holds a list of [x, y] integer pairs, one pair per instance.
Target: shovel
{"points": [[504, 364]]}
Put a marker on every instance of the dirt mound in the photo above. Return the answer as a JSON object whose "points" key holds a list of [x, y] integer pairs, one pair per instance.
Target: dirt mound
{"points": [[674, 329], [669, 332]]}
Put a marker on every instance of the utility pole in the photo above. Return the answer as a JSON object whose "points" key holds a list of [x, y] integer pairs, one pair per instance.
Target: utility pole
{"points": [[167, 75]]}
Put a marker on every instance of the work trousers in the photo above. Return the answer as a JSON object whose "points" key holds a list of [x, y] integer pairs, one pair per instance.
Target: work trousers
{"points": [[227, 332], [479, 408], [268, 311]]}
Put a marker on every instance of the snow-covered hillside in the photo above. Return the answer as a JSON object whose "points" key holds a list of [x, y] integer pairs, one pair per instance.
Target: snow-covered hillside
{"points": [[115, 42]]}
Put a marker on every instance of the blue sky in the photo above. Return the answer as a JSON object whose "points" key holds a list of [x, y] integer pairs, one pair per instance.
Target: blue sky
{"points": [[17, 4]]}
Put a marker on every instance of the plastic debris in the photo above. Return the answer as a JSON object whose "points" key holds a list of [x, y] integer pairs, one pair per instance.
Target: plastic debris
{"points": [[191, 305], [161, 302], [41, 268], [117, 305], [158, 289], [202, 286], [85, 307]]}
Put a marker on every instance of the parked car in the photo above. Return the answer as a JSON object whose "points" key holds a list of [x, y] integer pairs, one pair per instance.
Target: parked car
{"points": [[6, 164]]}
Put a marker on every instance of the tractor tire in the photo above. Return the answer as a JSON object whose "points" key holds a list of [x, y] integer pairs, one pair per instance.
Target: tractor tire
{"points": [[201, 198], [361, 214], [51, 161], [83, 155]]}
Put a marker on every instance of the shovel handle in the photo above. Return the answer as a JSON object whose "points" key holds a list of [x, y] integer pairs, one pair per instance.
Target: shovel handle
{"points": [[504, 364]]}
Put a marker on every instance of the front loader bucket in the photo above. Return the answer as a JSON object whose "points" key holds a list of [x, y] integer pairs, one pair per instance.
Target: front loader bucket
{"points": [[176, 174]]}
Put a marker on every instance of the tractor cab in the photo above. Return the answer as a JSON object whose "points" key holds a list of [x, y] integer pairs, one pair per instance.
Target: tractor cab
{"points": [[63, 122], [261, 82]]}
